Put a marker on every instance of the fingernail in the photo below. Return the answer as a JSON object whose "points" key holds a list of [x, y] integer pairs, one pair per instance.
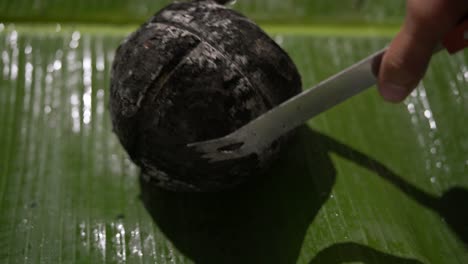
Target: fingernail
{"points": [[393, 92]]}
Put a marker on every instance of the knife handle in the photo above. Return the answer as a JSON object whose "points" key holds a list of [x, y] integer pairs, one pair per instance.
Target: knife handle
{"points": [[457, 39]]}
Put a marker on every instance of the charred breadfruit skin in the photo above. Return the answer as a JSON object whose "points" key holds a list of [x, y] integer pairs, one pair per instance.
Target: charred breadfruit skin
{"points": [[196, 71]]}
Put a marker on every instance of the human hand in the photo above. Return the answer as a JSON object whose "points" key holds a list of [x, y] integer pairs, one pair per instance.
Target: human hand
{"points": [[406, 61]]}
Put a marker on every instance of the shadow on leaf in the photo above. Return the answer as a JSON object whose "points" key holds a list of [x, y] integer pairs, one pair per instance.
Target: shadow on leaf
{"points": [[266, 220], [353, 252], [452, 206], [262, 222]]}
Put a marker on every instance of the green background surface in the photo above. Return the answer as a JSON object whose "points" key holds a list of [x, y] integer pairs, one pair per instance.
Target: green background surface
{"points": [[133, 11], [366, 182]]}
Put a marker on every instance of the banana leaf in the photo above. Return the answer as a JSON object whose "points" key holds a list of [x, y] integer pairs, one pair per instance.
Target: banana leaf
{"points": [[366, 182], [132, 11]]}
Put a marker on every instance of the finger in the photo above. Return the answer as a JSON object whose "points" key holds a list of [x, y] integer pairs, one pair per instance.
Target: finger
{"points": [[408, 56], [404, 65]]}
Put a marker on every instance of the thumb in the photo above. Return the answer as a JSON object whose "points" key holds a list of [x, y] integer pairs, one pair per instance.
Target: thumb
{"points": [[408, 56]]}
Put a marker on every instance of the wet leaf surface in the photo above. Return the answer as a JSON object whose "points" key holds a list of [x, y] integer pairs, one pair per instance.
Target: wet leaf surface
{"points": [[273, 11], [366, 181]]}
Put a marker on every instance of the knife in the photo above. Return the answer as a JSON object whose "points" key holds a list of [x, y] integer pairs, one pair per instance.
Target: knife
{"points": [[258, 134]]}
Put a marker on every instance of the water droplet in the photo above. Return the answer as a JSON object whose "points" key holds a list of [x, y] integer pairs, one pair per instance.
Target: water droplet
{"points": [[76, 35], [100, 94], [100, 64], [50, 68], [279, 39], [75, 112], [82, 227], [28, 49], [73, 44], [427, 114], [49, 79], [13, 37], [47, 109], [411, 108], [87, 98], [57, 65]]}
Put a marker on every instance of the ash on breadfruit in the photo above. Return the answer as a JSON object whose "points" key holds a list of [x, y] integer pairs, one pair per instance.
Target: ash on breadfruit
{"points": [[196, 71]]}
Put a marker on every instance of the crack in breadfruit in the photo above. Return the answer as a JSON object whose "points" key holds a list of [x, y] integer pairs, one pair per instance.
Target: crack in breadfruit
{"points": [[267, 100]]}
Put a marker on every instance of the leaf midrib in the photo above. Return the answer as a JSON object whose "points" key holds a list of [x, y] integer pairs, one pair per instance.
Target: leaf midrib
{"points": [[352, 30]]}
